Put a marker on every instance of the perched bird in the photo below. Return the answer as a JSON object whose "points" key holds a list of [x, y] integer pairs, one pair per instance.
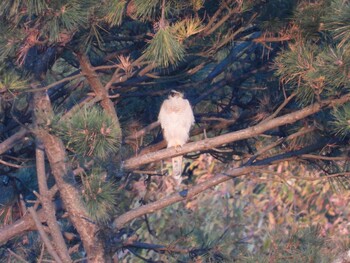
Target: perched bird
{"points": [[176, 118]]}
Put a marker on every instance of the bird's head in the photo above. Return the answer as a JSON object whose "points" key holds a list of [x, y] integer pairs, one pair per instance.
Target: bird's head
{"points": [[175, 94]]}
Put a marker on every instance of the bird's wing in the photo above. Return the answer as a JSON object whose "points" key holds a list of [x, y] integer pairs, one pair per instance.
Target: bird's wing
{"points": [[188, 119], [162, 117]]}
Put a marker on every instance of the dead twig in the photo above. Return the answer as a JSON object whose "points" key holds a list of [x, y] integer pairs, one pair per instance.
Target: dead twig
{"points": [[17, 256], [43, 235]]}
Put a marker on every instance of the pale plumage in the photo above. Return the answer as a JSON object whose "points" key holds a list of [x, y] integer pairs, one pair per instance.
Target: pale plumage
{"points": [[176, 118]]}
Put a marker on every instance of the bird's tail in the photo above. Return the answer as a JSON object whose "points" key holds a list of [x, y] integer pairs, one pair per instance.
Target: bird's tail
{"points": [[177, 169]]}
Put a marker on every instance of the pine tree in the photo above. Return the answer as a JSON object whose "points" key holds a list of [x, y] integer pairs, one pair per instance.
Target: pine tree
{"points": [[79, 80]]}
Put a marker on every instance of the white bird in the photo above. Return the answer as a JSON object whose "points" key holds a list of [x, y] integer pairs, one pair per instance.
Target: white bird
{"points": [[176, 118]]}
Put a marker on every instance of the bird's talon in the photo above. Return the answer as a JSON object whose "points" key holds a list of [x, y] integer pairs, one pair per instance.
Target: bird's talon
{"points": [[178, 148]]}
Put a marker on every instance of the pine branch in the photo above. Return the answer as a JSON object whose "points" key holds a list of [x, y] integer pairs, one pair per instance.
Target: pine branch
{"points": [[214, 27], [63, 175], [98, 88], [235, 53], [164, 49], [48, 206]]}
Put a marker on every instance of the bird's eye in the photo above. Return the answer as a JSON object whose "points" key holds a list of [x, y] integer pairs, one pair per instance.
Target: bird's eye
{"points": [[173, 94]]}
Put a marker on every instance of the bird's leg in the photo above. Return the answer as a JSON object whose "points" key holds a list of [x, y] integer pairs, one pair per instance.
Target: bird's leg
{"points": [[205, 134]]}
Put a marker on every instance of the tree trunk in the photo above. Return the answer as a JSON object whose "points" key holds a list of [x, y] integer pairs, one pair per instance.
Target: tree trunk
{"points": [[63, 175]]}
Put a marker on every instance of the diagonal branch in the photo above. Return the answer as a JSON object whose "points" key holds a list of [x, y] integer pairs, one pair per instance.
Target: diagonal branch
{"points": [[44, 236], [48, 205], [210, 143], [13, 140], [26, 223], [97, 86], [120, 221], [20, 226]]}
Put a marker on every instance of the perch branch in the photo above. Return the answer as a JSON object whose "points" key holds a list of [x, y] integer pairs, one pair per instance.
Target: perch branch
{"points": [[210, 143], [218, 179]]}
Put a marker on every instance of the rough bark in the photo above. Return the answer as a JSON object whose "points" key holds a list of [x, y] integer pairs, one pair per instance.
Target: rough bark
{"points": [[48, 205], [97, 87], [69, 193], [19, 227], [13, 140]]}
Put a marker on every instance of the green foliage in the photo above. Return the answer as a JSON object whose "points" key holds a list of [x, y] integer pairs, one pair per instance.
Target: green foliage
{"points": [[333, 64], [314, 71], [308, 18], [296, 68], [12, 81], [337, 22], [66, 17], [146, 9], [187, 27], [9, 41], [114, 12], [164, 49], [36, 7], [99, 196], [91, 132], [341, 123], [55, 17]]}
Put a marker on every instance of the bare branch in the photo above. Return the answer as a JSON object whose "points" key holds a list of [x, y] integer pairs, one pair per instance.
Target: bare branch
{"points": [[221, 21], [44, 236], [210, 143], [143, 131], [47, 204], [120, 221], [13, 140], [218, 179], [17, 256], [279, 141], [19, 227], [13, 165], [286, 101], [67, 79], [327, 158]]}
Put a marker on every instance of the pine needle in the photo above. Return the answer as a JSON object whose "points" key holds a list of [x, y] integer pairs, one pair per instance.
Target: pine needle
{"points": [[164, 49]]}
